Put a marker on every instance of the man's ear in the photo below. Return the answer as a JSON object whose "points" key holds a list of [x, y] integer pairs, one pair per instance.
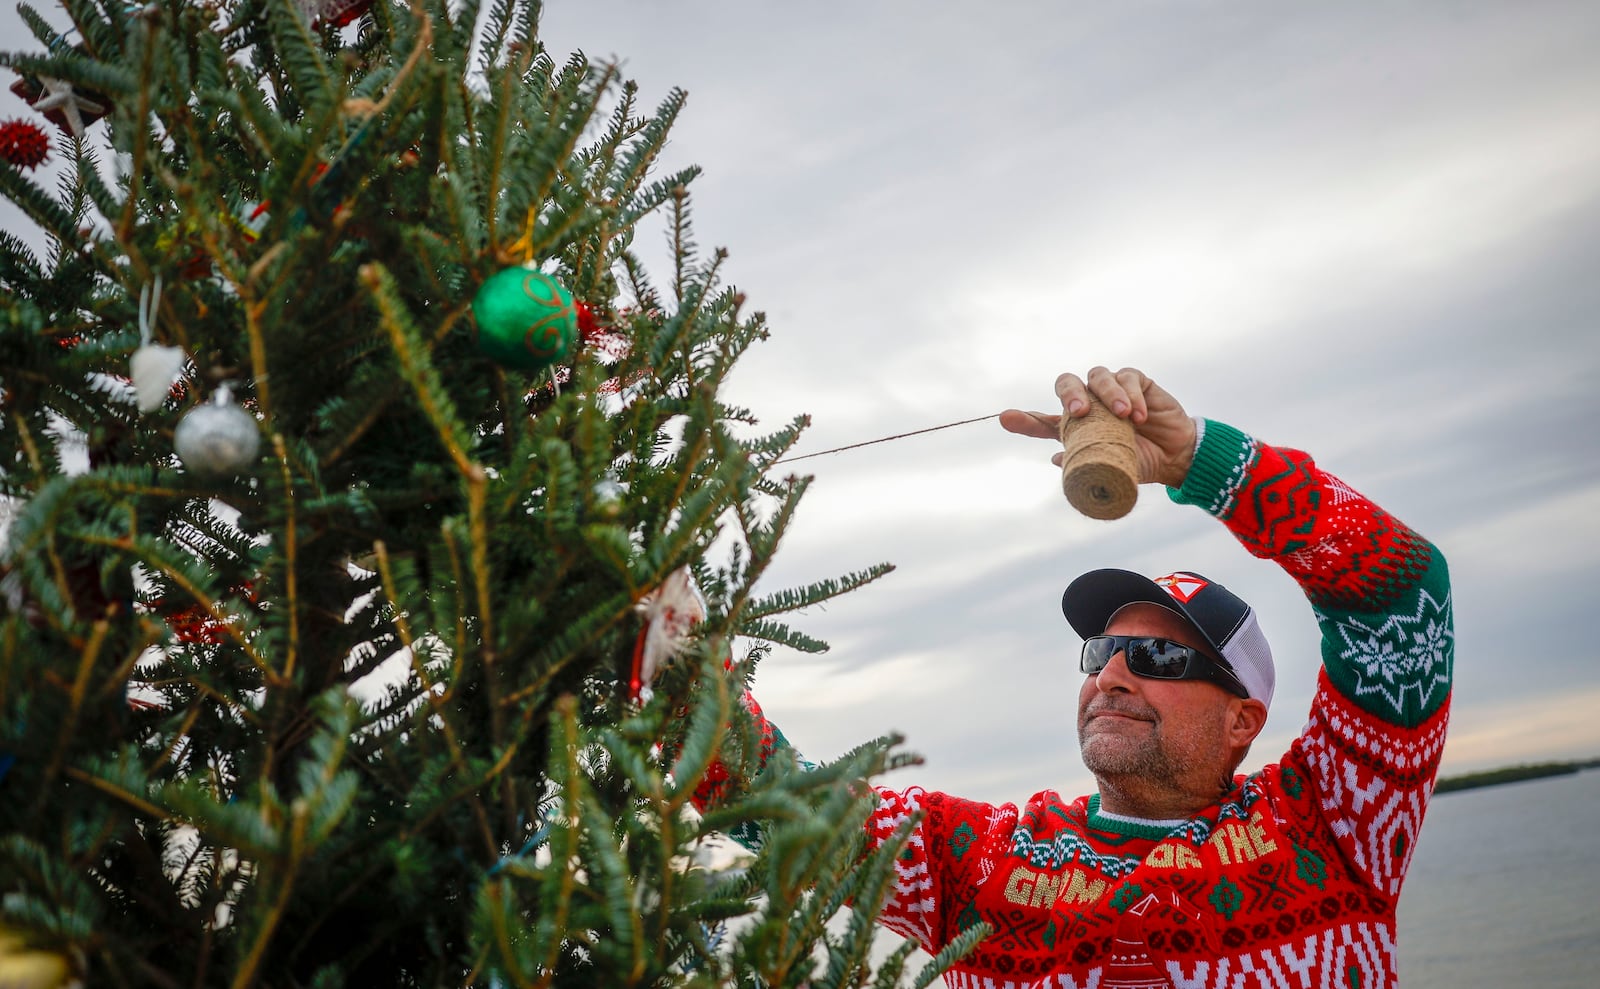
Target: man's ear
{"points": [[1246, 718]]}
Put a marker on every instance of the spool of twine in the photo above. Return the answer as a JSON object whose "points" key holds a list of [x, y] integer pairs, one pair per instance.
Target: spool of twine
{"points": [[1100, 471]]}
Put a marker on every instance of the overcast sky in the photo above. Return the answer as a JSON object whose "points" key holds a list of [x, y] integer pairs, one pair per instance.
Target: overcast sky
{"points": [[1367, 230]]}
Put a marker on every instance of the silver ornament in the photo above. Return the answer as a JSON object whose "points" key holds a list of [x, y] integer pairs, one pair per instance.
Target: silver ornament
{"points": [[218, 438]]}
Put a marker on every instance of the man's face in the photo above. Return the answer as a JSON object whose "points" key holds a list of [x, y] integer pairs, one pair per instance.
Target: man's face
{"points": [[1164, 731]]}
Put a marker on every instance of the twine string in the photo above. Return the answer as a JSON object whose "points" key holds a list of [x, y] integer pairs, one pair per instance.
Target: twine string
{"points": [[149, 305], [885, 439]]}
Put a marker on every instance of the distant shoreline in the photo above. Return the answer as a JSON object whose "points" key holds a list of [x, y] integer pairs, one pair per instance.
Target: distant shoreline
{"points": [[1512, 774]]}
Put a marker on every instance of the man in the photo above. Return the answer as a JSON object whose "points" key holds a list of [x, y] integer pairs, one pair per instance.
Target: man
{"points": [[1177, 872]]}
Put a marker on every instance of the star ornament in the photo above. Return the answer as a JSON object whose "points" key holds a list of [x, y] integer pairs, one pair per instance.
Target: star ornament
{"points": [[68, 104]]}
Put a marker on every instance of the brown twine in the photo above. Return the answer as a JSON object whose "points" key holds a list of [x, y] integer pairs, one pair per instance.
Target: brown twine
{"points": [[1100, 468], [897, 436]]}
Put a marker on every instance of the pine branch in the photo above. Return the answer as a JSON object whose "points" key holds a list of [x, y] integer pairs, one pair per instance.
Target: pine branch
{"points": [[310, 83], [42, 29], [413, 352], [814, 593], [782, 635], [85, 74], [36, 204], [321, 206]]}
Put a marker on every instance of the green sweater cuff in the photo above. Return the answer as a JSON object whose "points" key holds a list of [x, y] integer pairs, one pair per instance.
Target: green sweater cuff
{"points": [[1218, 469]]}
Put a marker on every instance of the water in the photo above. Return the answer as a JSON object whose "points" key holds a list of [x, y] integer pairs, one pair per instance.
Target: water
{"points": [[1504, 888]]}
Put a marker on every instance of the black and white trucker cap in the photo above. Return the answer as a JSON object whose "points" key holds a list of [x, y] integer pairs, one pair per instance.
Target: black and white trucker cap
{"points": [[1225, 621]]}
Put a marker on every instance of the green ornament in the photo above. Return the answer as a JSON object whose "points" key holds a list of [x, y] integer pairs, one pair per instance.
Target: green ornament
{"points": [[526, 319]]}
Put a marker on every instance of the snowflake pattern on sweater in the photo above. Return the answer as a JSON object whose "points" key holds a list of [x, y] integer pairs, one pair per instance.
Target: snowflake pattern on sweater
{"points": [[1291, 880]]}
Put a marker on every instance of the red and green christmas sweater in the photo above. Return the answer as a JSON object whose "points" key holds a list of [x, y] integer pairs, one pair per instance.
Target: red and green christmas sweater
{"points": [[1291, 879]]}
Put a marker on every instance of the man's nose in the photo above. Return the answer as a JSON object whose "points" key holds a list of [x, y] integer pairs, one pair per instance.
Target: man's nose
{"points": [[1115, 676]]}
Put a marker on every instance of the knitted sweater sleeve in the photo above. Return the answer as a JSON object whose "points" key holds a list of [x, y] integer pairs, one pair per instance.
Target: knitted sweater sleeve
{"points": [[1381, 596]]}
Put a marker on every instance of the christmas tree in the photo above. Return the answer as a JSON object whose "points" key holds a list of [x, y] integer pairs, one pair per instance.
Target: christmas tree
{"points": [[380, 560]]}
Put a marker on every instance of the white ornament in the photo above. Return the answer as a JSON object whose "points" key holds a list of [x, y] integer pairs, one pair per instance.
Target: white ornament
{"points": [[670, 611], [59, 95], [218, 438], [154, 366]]}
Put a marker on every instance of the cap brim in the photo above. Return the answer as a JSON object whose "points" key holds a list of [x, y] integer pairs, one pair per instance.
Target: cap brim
{"points": [[1091, 600]]}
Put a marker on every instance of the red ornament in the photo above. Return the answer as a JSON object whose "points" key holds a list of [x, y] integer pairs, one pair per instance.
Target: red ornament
{"points": [[334, 13], [607, 344], [342, 12], [197, 625], [610, 343], [23, 144], [586, 323]]}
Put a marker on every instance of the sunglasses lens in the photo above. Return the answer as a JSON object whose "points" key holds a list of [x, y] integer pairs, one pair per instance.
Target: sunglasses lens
{"points": [[1158, 658], [1097, 652], [1145, 656]]}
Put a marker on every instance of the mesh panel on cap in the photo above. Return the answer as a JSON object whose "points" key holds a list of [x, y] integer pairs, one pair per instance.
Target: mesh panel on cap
{"points": [[1251, 658]]}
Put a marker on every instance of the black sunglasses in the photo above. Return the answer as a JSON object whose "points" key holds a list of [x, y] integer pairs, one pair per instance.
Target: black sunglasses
{"points": [[1158, 659]]}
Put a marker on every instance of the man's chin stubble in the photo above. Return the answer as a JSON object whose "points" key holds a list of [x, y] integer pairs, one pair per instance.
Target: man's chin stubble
{"points": [[1103, 756]]}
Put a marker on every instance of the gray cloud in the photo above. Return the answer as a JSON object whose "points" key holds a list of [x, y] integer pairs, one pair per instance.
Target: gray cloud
{"points": [[1364, 231], [1368, 231]]}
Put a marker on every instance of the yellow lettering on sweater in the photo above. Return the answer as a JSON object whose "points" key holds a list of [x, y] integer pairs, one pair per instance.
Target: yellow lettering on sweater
{"points": [[1045, 890], [1082, 889], [1239, 842], [1019, 888], [1172, 855], [1258, 835], [1027, 888]]}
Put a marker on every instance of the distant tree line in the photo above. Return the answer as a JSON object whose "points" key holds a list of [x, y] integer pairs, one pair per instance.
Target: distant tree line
{"points": [[1512, 774]]}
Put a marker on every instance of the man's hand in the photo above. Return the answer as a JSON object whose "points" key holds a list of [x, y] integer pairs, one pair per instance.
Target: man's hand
{"points": [[1164, 433]]}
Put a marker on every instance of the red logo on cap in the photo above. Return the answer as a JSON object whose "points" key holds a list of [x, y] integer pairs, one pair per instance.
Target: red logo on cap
{"points": [[1183, 586]]}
